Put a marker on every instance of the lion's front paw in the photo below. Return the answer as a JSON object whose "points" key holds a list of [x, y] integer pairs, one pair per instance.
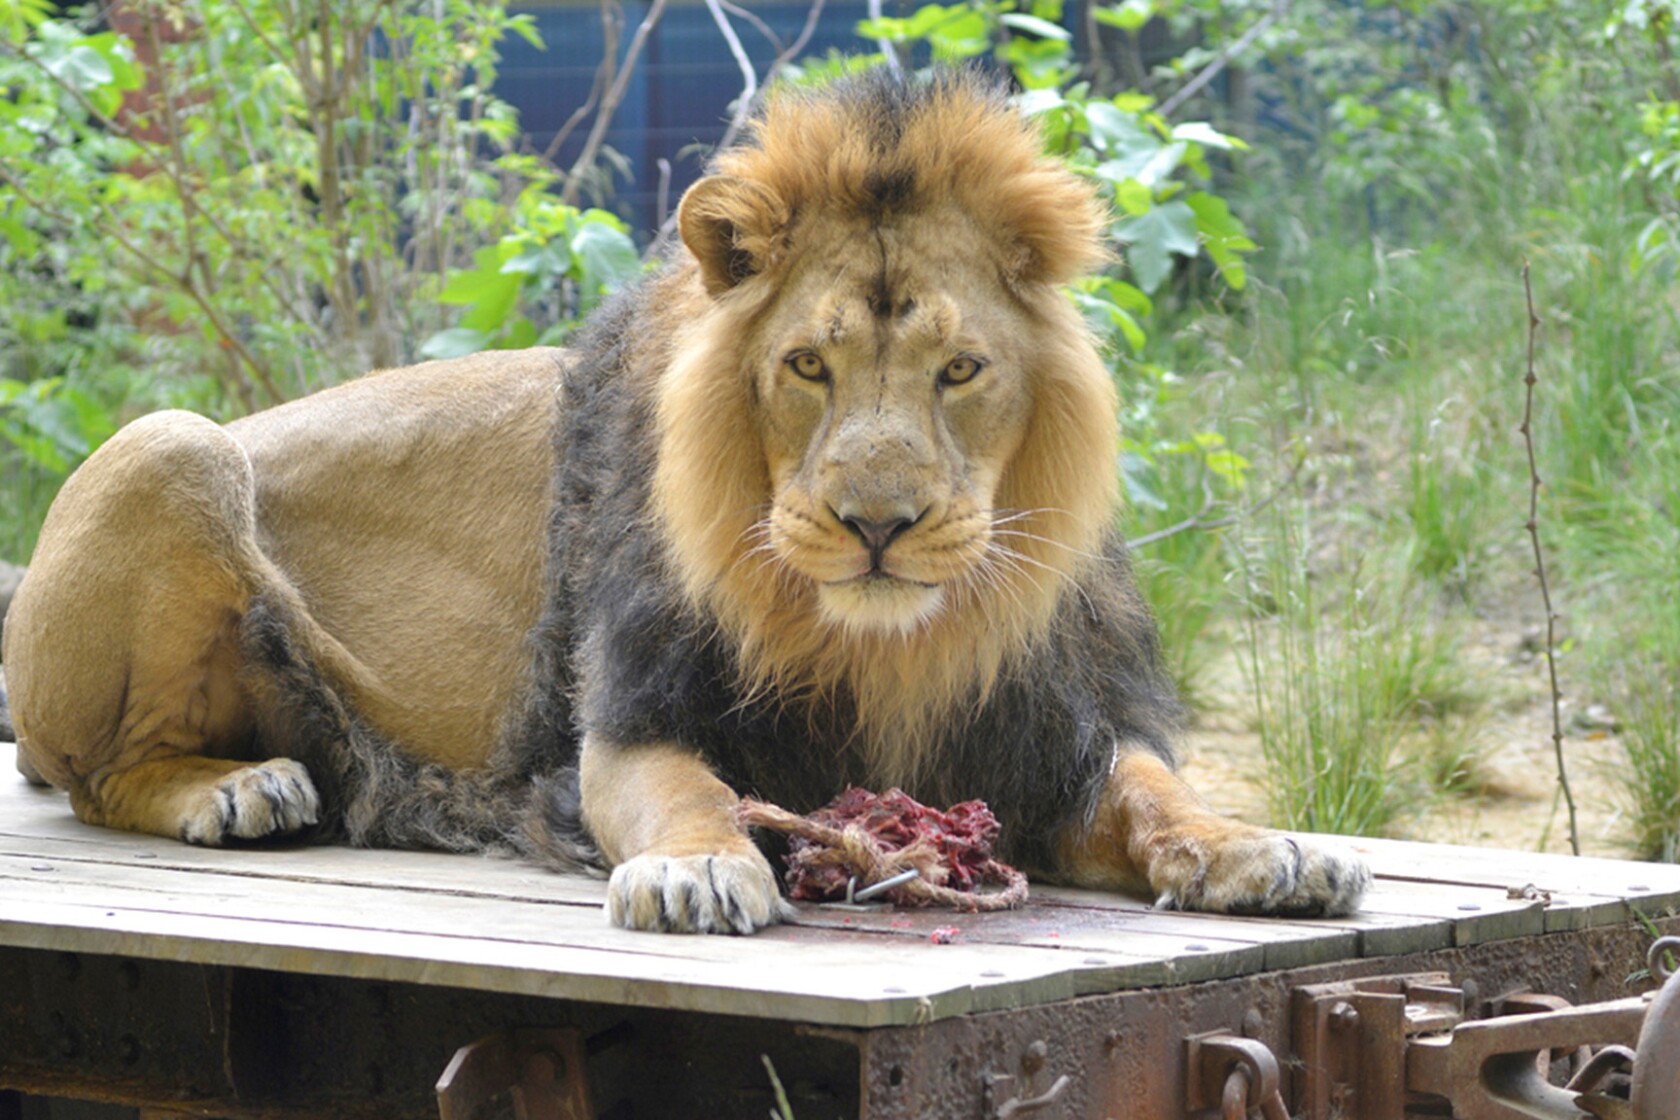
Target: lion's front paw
{"points": [[269, 799], [725, 893], [1267, 873]]}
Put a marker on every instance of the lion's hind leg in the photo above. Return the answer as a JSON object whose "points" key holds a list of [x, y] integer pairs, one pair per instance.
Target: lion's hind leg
{"points": [[122, 654], [1152, 830]]}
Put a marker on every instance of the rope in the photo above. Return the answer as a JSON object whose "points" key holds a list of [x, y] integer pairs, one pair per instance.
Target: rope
{"points": [[861, 855]]}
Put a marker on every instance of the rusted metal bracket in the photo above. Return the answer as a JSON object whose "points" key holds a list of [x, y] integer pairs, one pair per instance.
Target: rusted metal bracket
{"points": [[543, 1072], [1003, 1097], [1368, 1047], [1235, 1075], [1350, 1037]]}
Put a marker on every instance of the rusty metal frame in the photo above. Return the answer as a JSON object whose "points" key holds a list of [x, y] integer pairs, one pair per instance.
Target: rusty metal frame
{"points": [[254, 1045]]}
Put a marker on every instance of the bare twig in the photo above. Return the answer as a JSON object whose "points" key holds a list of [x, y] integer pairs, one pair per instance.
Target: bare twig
{"points": [[759, 25], [749, 105], [749, 75], [182, 280], [1533, 527], [1196, 521], [1211, 71], [889, 50], [612, 23], [609, 105]]}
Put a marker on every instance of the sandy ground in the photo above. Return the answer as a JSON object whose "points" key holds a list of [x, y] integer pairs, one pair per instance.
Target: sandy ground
{"points": [[1510, 800]]}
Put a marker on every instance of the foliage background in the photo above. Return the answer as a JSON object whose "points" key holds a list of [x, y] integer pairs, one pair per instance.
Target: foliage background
{"points": [[1322, 208]]}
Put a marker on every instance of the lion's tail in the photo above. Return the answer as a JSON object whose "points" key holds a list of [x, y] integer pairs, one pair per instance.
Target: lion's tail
{"points": [[374, 794]]}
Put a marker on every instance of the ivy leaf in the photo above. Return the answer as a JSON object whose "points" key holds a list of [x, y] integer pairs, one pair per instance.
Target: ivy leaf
{"points": [[1134, 198], [454, 342], [1223, 235], [1129, 16], [1032, 25], [1151, 239], [1139, 476], [1200, 132], [1104, 316], [607, 256], [1118, 132]]}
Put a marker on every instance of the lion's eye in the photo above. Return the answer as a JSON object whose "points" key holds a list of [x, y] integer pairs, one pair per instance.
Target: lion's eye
{"points": [[808, 366], [959, 371]]}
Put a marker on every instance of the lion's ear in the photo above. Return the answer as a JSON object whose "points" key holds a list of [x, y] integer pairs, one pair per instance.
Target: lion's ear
{"points": [[730, 225]]}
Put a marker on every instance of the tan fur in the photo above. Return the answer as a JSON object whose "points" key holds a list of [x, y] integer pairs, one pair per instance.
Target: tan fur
{"points": [[884, 455], [1153, 832], [370, 510]]}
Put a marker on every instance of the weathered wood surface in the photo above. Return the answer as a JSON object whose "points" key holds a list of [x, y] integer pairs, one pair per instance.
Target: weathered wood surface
{"points": [[498, 925]]}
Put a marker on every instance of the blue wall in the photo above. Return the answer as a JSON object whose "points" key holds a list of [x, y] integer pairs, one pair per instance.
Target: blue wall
{"points": [[679, 94]]}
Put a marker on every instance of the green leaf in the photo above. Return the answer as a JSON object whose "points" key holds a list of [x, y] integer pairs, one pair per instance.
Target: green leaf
{"points": [[608, 256], [1035, 102], [1129, 16], [1117, 131], [454, 342], [1151, 240], [1032, 25], [1133, 197], [1200, 132], [1139, 475], [1223, 235], [1104, 318]]}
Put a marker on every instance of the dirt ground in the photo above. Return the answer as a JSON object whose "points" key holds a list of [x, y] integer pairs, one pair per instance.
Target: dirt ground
{"points": [[1508, 801]]}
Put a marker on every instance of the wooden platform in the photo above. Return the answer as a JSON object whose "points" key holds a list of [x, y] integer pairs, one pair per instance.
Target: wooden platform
{"points": [[498, 926]]}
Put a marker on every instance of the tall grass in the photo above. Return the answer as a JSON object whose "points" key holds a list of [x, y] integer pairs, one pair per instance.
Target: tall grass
{"points": [[1383, 333], [1340, 673]]}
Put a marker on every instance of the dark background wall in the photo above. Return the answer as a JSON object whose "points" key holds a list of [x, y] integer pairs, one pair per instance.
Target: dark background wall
{"points": [[677, 103]]}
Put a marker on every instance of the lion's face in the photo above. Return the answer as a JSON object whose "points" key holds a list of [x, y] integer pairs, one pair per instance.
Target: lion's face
{"points": [[885, 439], [892, 398]]}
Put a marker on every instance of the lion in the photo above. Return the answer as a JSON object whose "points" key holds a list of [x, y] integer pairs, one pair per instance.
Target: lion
{"points": [[829, 499]]}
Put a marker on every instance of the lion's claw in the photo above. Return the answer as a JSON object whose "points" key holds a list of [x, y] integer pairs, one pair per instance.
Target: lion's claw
{"points": [[725, 893], [269, 799], [1271, 874]]}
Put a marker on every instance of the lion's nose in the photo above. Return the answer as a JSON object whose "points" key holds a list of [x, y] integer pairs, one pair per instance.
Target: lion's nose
{"points": [[876, 533]]}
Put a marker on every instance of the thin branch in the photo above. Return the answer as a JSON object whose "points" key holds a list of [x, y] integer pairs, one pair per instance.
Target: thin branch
{"points": [[889, 50], [759, 25], [612, 23], [1533, 527], [1208, 502], [668, 222], [749, 75], [181, 280], [663, 209], [1212, 70], [609, 105]]}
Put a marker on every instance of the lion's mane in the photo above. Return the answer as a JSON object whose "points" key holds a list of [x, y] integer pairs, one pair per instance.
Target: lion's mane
{"points": [[661, 626]]}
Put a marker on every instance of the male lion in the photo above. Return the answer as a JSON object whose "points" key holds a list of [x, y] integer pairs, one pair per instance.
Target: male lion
{"points": [[831, 499]]}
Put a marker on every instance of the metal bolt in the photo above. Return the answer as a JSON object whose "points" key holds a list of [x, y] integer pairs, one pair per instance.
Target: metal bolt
{"points": [[1344, 1016], [874, 889], [1254, 1024], [1035, 1057]]}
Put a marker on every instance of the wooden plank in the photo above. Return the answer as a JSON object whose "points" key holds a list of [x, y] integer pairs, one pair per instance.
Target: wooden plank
{"points": [[1575, 892], [1502, 868], [842, 980], [502, 925]]}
